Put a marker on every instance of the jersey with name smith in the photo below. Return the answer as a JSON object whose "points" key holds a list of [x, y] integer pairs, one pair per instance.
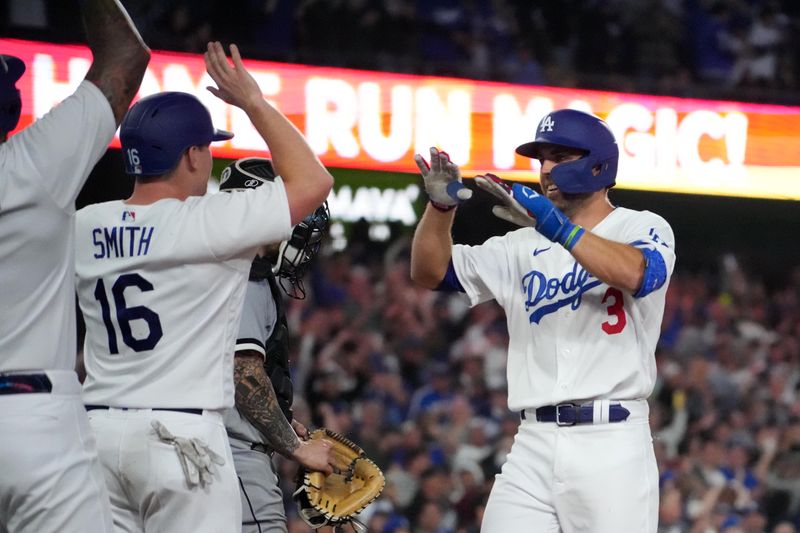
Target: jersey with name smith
{"points": [[161, 289]]}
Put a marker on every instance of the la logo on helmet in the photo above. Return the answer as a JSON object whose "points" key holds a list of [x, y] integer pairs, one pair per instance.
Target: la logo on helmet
{"points": [[547, 123]]}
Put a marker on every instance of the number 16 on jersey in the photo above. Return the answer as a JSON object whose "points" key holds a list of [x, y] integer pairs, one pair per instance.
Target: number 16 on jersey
{"points": [[125, 315]]}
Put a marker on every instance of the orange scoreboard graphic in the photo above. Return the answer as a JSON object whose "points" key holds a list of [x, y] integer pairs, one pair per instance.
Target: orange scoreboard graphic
{"points": [[373, 120]]}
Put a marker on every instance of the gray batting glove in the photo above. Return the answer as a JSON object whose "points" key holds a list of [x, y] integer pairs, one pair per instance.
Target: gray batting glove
{"points": [[197, 459], [510, 209], [442, 180]]}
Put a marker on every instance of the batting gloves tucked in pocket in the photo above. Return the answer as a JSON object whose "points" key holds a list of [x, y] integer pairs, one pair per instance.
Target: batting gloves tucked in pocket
{"points": [[197, 459]]}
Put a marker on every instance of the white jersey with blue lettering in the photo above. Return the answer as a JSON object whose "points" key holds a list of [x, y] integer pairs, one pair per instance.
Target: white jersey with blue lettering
{"points": [[42, 170], [572, 337], [161, 289]]}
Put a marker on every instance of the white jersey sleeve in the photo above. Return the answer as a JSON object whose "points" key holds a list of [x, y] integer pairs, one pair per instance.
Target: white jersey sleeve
{"points": [[73, 135], [650, 231]]}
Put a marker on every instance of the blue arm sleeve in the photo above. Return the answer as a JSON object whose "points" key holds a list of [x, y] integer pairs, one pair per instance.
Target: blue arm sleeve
{"points": [[450, 282], [655, 273]]}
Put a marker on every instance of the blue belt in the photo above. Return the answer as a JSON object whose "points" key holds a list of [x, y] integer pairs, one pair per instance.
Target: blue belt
{"points": [[179, 410], [24, 383], [569, 414]]}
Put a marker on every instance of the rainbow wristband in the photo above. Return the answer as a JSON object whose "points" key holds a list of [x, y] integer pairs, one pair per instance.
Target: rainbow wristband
{"points": [[573, 236]]}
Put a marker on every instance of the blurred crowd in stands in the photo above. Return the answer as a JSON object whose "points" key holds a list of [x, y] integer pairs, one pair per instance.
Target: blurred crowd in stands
{"points": [[733, 49], [418, 379]]}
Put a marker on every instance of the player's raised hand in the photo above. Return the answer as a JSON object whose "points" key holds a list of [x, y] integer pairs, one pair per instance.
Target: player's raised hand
{"points": [[509, 208], [442, 180], [234, 84]]}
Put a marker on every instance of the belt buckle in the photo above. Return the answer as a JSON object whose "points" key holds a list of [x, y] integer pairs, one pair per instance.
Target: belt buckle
{"points": [[558, 415]]}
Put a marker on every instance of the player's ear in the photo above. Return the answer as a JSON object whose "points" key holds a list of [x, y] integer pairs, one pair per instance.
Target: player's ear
{"points": [[194, 157]]}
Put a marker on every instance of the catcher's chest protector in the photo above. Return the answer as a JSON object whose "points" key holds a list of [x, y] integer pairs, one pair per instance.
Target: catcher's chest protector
{"points": [[276, 363]]}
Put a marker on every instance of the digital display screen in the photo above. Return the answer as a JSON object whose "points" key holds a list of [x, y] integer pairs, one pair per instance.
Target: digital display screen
{"points": [[373, 120]]}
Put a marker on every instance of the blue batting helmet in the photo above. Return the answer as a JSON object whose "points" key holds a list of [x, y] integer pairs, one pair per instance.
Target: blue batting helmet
{"points": [[575, 129], [158, 129], [11, 69]]}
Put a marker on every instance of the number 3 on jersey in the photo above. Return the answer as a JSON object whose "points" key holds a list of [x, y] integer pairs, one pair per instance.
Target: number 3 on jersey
{"points": [[614, 309], [125, 315]]}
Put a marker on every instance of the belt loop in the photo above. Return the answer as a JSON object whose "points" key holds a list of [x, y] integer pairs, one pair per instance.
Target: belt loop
{"points": [[598, 412], [605, 411]]}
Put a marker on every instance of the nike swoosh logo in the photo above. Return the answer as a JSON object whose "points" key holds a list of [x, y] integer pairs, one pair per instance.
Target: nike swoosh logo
{"points": [[538, 251]]}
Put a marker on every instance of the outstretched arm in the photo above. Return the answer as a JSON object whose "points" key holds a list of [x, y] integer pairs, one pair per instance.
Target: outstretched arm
{"points": [[432, 247], [307, 182], [256, 400], [120, 55]]}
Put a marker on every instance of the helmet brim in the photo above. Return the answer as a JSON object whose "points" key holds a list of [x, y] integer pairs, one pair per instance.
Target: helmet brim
{"points": [[13, 68], [221, 135], [530, 149]]}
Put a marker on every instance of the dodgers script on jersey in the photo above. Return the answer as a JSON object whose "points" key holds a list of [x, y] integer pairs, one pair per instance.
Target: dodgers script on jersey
{"points": [[258, 320], [572, 337], [161, 289], [43, 169]]}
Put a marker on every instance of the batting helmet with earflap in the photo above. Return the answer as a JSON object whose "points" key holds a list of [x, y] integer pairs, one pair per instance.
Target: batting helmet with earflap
{"points": [[294, 255], [11, 69], [158, 129], [597, 169]]}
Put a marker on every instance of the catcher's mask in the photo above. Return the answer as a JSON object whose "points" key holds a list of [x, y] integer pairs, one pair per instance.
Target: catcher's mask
{"points": [[294, 255], [575, 129]]}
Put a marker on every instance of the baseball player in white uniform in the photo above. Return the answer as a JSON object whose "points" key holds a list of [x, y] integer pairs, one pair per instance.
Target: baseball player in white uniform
{"points": [[262, 422], [50, 478], [582, 285], [161, 281]]}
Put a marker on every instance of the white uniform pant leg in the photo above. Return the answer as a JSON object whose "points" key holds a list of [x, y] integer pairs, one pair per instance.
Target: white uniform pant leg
{"points": [[262, 499], [521, 497], [51, 479], [148, 486], [606, 479]]}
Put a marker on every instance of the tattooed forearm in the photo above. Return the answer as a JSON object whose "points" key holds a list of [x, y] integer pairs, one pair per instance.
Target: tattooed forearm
{"points": [[120, 55], [256, 400]]}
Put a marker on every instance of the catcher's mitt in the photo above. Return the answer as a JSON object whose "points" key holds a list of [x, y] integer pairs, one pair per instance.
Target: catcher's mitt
{"points": [[333, 500]]}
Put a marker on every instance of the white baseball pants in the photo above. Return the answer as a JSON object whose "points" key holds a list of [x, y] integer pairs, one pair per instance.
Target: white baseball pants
{"points": [[148, 488], [50, 478], [598, 478]]}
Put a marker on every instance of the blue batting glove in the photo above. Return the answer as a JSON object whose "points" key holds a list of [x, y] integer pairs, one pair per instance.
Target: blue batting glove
{"points": [[550, 220]]}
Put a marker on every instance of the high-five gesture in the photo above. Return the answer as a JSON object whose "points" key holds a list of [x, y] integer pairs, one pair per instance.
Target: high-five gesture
{"points": [[442, 180], [509, 208], [234, 84]]}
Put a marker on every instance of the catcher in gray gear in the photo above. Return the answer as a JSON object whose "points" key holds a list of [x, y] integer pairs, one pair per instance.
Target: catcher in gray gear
{"points": [[261, 423]]}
